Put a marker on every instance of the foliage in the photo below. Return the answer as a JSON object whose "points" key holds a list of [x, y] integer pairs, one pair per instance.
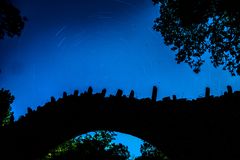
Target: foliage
{"points": [[6, 115], [149, 152], [11, 21], [91, 147], [193, 28]]}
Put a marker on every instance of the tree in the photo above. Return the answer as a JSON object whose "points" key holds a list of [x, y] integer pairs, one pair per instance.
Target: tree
{"points": [[91, 147], [192, 28], [11, 21], [149, 152], [6, 115]]}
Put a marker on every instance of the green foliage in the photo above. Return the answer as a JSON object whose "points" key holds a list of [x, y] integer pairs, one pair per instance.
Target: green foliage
{"points": [[149, 152], [11, 22], [91, 147], [6, 115], [192, 28]]}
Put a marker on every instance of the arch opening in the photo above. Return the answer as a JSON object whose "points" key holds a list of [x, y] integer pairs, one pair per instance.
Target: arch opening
{"points": [[114, 144]]}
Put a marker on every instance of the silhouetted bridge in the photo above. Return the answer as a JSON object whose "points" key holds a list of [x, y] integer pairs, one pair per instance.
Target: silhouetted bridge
{"points": [[201, 129]]}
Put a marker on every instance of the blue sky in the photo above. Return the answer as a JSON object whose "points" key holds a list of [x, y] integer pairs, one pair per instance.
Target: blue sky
{"points": [[74, 44]]}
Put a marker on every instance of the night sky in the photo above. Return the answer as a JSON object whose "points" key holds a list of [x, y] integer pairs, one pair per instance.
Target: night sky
{"points": [[74, 44]]}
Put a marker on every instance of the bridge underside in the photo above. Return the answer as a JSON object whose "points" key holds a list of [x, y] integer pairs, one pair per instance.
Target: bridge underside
{"points": [[188, 134], [180, 137]]}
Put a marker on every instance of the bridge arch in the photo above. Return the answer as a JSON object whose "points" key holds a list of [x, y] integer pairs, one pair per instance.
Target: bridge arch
{"points": [[183, 135]]}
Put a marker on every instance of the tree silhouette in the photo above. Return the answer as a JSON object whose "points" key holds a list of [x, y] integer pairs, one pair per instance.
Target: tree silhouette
{"points": [[192, 28], [6, 115], [149, 152], [11, 21], [91, 147]]}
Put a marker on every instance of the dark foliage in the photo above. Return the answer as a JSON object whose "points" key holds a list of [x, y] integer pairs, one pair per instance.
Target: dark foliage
{"points": [[149, 152], [11, 21], [193, 28], [6, 115], [91, 147]]}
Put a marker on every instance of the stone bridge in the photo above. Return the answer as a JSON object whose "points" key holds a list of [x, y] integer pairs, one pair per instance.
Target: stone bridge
{"points": [[205, 128]]}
